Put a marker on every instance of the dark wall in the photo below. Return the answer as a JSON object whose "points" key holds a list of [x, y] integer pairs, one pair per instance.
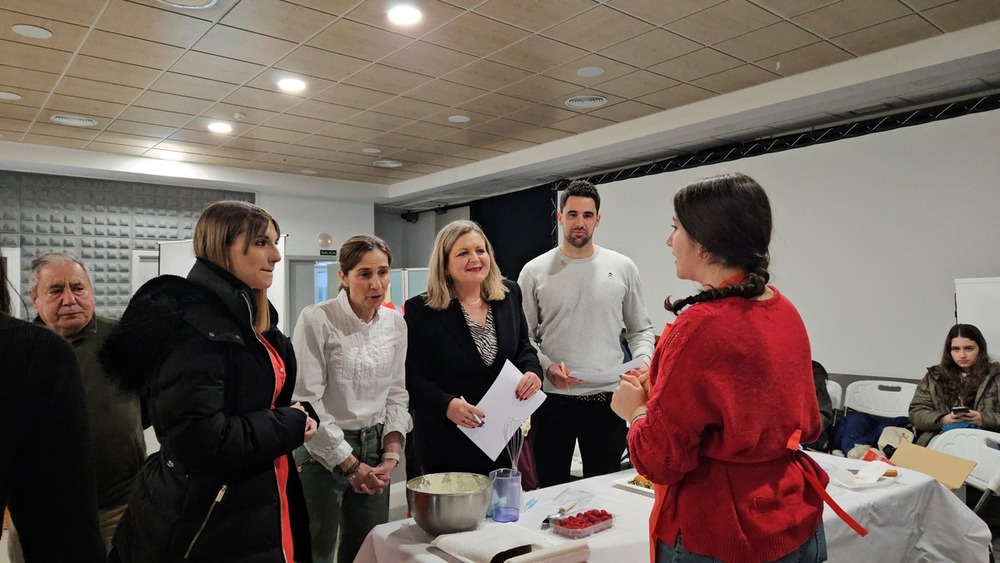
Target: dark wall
{"points": [[519, 225]]}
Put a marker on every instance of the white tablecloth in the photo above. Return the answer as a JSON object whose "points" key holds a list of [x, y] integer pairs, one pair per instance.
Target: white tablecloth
{"points": [[913, 519]]}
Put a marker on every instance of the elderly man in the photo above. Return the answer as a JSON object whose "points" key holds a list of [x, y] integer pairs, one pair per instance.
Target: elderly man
{"points": [[63, 296]]}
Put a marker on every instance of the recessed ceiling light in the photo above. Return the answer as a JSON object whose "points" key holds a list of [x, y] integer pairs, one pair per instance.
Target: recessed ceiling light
{"points": [[387, 163], [219, 127], [459, 119], [405, 15], [586, 102], [189, 4], [371, 150], [73, 120], [590, 71], [291, 85], [307, 171], [32, 31], [9, 96]]}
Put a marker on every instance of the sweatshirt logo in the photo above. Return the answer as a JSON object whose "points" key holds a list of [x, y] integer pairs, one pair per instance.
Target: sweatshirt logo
{"points": [[610, 275]]}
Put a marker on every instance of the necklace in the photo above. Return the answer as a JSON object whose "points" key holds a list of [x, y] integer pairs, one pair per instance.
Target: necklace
{"points": [[476, 302]]}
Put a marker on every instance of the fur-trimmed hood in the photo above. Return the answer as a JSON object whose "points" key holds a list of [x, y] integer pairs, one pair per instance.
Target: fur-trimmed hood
{"points": [[210, 301]]}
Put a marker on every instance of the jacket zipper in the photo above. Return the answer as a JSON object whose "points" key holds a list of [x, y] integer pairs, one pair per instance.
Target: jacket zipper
{"points": [[218, 499]]}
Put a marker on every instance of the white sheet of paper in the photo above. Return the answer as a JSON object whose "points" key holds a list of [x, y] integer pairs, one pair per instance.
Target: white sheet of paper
{"points": [[608, 375], [504, 412]]}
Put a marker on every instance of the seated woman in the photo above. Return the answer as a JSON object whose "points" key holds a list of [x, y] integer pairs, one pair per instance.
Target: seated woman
{"points": [[460, 333], [965, 378]]}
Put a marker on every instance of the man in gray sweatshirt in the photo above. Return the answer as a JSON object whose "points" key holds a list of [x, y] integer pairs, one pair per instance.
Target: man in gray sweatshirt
{"points": [[578, 300]]}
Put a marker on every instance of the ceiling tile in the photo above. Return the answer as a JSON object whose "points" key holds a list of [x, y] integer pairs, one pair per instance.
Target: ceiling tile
{"points": [[109, 137], [183, 146], [79, 87], [59, 103], [335, 7], [243, 45], [104, 45], [211, 14], [323, 110], [8, 125], [200, 136], [18, 112], [25, 78], [475, 34], [310, 61], [597, 29], [735, 79], [261, 99], [37, 58], [653, 10], [768, 41], [296, 123], [70, 11], [202, 123], [541, 114], [216, 68], [142, 129], [43, 127], [358, 40], [696, 65], [94, 68], [352, 96], [623, 111], [805, 58], [268, 80], [435, 14], [537, 54], [425, 129], [512, 145], [921, 5], [275, 18], [116, 148], [387, 79], [351, 133], [494, 104], [326, 142], [539, 88], [153, 117], [612, 69], [676, 96], [886, 35], [963, 13], [792, 8], [184, 85], [151, 24], [534, 16], [543, 135], [639, 83], [850, 15], [172, 102], [377, 121], [409, 108], [723, 21], [272, 134], [227, 112], [54, 141], [395, 140], [487, 75], [489, 132], [65, 36], [427, 58], [30, 100], [445, 93], [243, 154], [582, 124], [650, 48]]}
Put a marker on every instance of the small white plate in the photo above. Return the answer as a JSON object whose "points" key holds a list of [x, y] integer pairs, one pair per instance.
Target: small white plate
{"points": [[837, 478], [624, 483]]}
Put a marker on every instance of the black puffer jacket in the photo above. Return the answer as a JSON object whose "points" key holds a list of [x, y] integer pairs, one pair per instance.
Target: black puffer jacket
{"points": [[210, 493]]}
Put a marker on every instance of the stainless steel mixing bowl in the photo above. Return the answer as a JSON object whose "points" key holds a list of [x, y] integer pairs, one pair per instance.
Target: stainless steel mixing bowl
{"points": [[445, 503]]}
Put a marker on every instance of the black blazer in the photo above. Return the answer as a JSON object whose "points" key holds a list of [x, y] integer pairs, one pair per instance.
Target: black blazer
{"points": [[442, 363]]}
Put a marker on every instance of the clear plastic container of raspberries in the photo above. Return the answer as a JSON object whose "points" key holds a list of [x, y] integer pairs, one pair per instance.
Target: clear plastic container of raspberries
{"points": [[583, 524]]}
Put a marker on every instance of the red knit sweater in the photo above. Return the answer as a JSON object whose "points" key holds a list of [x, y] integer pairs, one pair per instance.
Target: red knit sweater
{"points": [[731, 382]]}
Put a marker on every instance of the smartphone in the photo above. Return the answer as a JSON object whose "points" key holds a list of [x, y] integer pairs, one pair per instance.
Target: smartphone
{"points": [[959, 410]]}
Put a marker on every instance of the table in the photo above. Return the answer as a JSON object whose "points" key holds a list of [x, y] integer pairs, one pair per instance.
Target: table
{"points": [[914, 518]]}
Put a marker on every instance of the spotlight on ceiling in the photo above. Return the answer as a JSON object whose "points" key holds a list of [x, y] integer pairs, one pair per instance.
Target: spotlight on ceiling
{"points": [[405, 15], [291, 85], [219, 127]]}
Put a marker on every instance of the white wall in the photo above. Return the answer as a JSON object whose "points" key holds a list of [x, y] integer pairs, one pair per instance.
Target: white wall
{"points": [[411, 243], [870, 234], [302, 218]]}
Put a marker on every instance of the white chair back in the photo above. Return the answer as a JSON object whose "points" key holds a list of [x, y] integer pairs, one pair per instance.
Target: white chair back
{"points": [[836, 393], [980, 446], [880, 397]]}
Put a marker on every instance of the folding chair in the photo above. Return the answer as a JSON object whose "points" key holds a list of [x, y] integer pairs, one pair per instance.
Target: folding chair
{"points": [[880, 397], [980, 446]]}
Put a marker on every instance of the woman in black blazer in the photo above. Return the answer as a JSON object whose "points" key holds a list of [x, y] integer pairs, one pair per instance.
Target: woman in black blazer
{"points": [[460, 333]]}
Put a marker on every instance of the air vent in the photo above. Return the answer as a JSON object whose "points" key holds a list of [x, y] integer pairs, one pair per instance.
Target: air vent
{"points": [[73, 120], [586, 102], [387, 164]]}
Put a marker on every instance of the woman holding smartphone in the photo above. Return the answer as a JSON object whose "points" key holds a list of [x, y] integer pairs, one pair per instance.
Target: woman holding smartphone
{"points": [[961, 391]]}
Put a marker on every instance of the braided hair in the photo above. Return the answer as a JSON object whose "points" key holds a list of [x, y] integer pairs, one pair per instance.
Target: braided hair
{"points": [[730, 216]]}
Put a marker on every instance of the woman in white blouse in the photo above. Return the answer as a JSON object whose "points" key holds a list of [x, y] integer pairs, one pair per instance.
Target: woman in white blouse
{"points": [[351, 352]]}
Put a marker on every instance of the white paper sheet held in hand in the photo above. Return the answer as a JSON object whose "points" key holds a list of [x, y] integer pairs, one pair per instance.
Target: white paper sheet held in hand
{"points": [[504, 412], [608, 375]]}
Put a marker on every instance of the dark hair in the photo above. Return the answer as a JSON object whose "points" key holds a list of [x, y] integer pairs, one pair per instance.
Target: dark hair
{"points": [[4, 295], [580, 188], [355, 248], [955, 390], [730, 216]]}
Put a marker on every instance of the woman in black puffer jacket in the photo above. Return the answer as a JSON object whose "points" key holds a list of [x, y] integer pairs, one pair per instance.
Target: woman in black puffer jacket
{"points": [[218, 378]]}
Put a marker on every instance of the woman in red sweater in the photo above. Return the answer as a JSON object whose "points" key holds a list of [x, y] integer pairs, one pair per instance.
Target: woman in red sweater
{"points": [[730, 395]]}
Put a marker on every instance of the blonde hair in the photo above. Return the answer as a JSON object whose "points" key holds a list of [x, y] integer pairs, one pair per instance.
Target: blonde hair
{"points": [[218, 227], [439, 289]]}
